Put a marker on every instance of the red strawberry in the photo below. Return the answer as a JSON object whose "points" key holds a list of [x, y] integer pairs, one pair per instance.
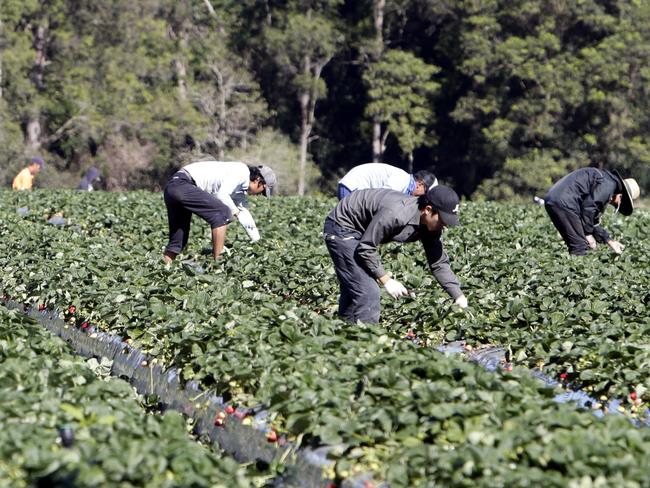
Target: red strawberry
{"points": [[563, 376], [72, 309], [272, 436], [410, 334], [219, 418], [230, 409], [84, 325], [41, 307], [633, 396]]}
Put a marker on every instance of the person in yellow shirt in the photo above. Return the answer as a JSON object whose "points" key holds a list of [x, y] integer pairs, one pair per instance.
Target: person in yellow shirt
{"points": [[25, 179]]}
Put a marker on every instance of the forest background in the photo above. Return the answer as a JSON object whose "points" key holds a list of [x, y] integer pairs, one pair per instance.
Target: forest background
{"points": [[498, 98]]}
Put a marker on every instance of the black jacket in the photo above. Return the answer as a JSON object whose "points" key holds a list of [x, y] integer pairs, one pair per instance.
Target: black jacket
{"points": [[585, 192]]}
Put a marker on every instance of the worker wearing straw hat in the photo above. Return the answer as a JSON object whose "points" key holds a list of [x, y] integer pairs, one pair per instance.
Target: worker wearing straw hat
{"points": [[577, 202]]}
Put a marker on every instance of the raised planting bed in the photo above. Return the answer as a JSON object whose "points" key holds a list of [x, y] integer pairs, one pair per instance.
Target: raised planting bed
{"points": [[66, 422], [259, 329]]}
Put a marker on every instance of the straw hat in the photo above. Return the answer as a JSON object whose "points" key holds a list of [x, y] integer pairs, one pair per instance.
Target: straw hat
{"points": [[631, 192]]}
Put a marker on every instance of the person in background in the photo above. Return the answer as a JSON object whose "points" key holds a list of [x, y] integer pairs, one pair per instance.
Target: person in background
{"points": [[25, 179], [86, 183], [577, 202], [380, 175], [365, 219], [204, 188]]}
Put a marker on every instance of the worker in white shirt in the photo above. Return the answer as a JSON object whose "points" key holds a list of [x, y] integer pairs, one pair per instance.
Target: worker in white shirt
{"points": [[204, 188], [380, 175]]}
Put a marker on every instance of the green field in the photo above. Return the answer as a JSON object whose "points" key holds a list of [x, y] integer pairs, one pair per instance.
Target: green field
{"points": [[260, 328], [113, 440]]}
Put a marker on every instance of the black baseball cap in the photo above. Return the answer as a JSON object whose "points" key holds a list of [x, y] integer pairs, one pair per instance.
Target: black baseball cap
{"points": [[446, 202]]}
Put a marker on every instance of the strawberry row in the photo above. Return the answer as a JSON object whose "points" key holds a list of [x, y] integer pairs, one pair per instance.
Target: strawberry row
{"points": [[242, 328]]}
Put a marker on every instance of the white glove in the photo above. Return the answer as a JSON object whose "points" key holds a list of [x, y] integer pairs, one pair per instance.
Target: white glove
{"points": [[246, 220], [591, 241], [395, 288], [461, 301], [616, 246]]}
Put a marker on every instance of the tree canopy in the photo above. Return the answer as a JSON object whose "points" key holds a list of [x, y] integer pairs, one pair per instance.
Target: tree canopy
{"points": [[498, 98]]}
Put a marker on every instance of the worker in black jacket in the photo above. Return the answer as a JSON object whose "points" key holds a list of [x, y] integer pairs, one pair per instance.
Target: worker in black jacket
{"points": [[577, 202]]}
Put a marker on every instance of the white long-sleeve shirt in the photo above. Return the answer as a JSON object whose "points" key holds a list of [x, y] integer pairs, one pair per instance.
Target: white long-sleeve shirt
{"points": [[377, 175], [220, 178]]}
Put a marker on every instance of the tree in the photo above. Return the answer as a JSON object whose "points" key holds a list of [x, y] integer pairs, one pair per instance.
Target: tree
{"points": [[401, 88], [557, 85], [225, 92], [302, 45]]}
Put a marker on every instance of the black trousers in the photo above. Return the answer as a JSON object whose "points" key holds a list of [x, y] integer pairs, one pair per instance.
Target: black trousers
{"points": [[183, 198], [569, 225], [360, 294]]}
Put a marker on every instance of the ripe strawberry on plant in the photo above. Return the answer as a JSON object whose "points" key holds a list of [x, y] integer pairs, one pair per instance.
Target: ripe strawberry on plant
{"points": [[272, 436], [230, 409], [634, 398], [72, 309], [219, 419]]}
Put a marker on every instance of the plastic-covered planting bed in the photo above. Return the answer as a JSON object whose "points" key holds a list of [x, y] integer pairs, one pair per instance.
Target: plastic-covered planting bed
{"points": [[493, 358], [242, 433]]}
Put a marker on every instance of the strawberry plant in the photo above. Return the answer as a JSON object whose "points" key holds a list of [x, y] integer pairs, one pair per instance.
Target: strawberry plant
{"points": [[63, 426], [260, 328]]}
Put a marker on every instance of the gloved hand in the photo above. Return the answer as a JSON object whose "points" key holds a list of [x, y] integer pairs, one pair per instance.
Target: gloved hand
{"points": [[461, 301], [591, 242], [246, 220], [395, 288], [616, 246]]}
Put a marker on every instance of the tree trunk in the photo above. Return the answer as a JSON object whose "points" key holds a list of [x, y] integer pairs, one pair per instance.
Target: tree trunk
{"points": [[40, 60], [378, 14], [181, 70], [38, 69], [382, 141], [34, 133], [377, 152], [1, 36], [305, 130], [410, 156], [222, 98]]}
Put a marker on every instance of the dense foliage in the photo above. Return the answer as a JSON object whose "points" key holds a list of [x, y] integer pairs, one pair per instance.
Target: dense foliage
{"points": [[66, 423], [260, 328], [499, 97]]}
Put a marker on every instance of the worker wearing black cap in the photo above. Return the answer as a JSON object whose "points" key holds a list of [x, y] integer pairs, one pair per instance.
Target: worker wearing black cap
{"points": [[576, 203], [365, 219]]}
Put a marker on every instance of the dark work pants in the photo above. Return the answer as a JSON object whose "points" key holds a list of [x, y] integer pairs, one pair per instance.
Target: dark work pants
{"points": [[360, 294], [183, 198], [569, 224]]}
